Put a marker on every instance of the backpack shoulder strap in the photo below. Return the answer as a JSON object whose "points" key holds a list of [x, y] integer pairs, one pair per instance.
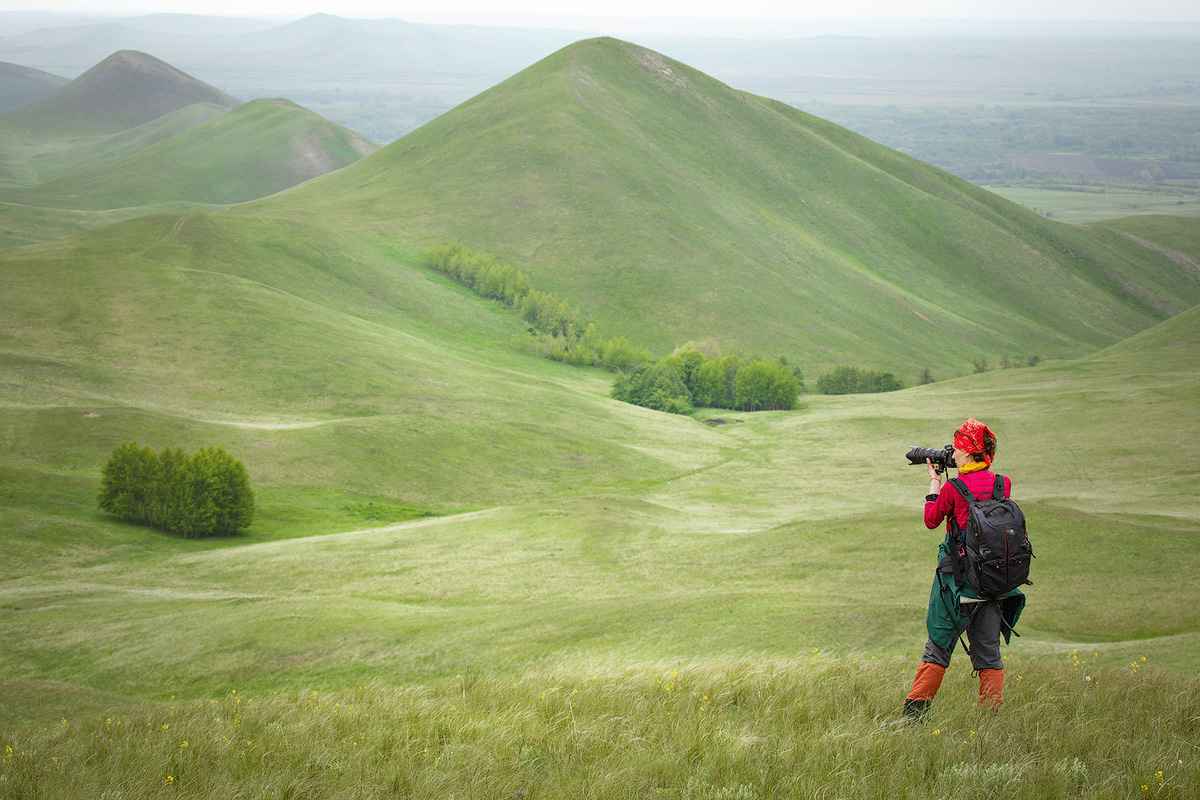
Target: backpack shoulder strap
{"points": [[958, 484], [998, 488], [955, 535]]}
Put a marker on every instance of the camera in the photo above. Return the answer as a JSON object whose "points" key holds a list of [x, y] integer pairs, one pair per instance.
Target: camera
{"points": [[941, 458]]}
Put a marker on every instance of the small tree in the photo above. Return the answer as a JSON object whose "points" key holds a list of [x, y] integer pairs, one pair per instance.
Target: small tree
{"points": [[128, 483]]}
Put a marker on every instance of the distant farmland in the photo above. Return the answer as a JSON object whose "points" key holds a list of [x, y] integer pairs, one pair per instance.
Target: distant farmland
{"points": [[1091, 167]]}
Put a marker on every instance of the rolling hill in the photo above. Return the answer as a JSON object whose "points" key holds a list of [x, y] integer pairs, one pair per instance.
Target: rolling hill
{"points": [[674, 208], [258, 149], [123, 104], [68, 165], [21, 85]]}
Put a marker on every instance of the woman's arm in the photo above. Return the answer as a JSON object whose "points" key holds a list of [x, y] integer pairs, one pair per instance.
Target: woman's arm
{"points": [[936, 507]]}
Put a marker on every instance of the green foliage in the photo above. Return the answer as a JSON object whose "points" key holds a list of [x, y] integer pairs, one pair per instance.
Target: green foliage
{"points": [[559, 329], [765, 385], [659, 387], [691, 378], [129, 483], [205, 494], [852, 380]]}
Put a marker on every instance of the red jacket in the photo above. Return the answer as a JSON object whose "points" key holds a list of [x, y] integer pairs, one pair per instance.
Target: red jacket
{"points": [[949, 501]]}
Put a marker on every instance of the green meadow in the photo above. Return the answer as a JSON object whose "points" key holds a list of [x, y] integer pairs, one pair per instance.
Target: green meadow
{"points": [[1101, 203], [475, 574]]}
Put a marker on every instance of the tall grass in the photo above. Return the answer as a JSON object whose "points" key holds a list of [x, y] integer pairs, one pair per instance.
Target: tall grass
{"points": [[805, 727]]}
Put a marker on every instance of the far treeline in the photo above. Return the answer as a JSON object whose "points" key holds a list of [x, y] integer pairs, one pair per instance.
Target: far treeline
{"points": [[677, 384], [206, 493]]}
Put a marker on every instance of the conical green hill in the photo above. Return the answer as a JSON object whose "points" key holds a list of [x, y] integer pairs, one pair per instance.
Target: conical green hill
{"points": [[124, 91], [256, 150], [674, 208]]}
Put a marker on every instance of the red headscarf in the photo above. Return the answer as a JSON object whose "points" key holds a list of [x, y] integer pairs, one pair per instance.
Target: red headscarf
{"points": [[969, 438]]}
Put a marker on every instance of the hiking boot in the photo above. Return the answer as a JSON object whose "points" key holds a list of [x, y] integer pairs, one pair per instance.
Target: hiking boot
{"points": [[916, 709]]}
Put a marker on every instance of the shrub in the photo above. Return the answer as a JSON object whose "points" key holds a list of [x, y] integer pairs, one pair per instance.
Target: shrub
{"points": [[766, 385], [204, 494]]}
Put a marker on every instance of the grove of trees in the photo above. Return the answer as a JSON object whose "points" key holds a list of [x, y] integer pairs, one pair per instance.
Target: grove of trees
{"points": [[852, 380], [559, 329], [206, 493], [676, 384], [692, 379]]}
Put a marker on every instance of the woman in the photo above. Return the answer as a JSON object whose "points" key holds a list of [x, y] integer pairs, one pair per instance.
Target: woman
{"points": [[946, 620]]}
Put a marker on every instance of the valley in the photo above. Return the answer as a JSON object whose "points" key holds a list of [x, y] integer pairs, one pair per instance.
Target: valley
{"points": [[473, 571]]}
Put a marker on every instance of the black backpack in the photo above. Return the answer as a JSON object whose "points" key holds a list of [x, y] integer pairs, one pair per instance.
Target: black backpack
{"points": [[993, 551]]}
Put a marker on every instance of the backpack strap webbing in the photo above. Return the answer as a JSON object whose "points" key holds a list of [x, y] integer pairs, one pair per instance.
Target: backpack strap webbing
{"points": [[956, 544]]}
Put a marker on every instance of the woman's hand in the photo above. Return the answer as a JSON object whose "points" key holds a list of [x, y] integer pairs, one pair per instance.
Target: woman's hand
{"points": [[935, 478]]}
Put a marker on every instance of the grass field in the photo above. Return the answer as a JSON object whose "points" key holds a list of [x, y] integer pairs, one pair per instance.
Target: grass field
{"points": [[726, 617], [1099, 204]]}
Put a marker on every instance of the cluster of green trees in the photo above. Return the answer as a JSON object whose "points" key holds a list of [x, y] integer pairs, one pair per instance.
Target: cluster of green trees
{"points": [[206, 493], [560, 330], [852, 380], [677, 384], [691, 379]]}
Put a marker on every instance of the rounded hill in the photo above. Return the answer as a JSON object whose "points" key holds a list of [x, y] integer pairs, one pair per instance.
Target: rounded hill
{"points": [[258, 149]]}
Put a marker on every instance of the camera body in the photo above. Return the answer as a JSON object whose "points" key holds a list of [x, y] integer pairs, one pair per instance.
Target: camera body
{"points": [[941, 459]]}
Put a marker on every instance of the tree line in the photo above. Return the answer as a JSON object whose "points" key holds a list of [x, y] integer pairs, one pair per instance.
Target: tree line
{"points": [[206, 493], [685, 380], [560, 331]]}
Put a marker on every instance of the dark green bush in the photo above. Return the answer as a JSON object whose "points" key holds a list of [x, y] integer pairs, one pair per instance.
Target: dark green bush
{"points": [[204, 494]]}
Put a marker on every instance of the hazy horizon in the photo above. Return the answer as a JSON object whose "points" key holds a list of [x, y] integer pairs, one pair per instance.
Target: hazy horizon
{"points": [[754, 18]]}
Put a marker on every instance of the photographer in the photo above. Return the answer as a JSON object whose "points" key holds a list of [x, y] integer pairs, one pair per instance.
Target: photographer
{"points": [[984, 623]]}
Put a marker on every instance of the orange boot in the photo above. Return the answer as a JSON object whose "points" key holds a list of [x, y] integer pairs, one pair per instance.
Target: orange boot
{"points": [[925, 685], [991, 683]]}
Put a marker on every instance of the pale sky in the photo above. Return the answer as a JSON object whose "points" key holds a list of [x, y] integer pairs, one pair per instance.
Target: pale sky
{"points": [[489, 11]]}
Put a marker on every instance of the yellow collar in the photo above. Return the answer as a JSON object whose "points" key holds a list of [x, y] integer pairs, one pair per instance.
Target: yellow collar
{"points": [[974, 466]]}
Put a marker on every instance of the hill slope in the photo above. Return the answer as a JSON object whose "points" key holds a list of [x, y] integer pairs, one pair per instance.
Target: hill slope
{"points": [[21, 85], [123, 91], [258, 149], [674, 208], [123, 104]]}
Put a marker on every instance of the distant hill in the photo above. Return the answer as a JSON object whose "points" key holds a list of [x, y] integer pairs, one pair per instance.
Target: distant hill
{"points": [[20, 86], [64, 160], [123, 91], [675, 208], [258, 149]]}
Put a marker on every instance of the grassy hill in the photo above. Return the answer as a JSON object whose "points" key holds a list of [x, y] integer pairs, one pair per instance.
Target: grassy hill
{"points": [[123, 91], [258, 149], [63, 175], [122, 105], [674, 208], [22, 85]]}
